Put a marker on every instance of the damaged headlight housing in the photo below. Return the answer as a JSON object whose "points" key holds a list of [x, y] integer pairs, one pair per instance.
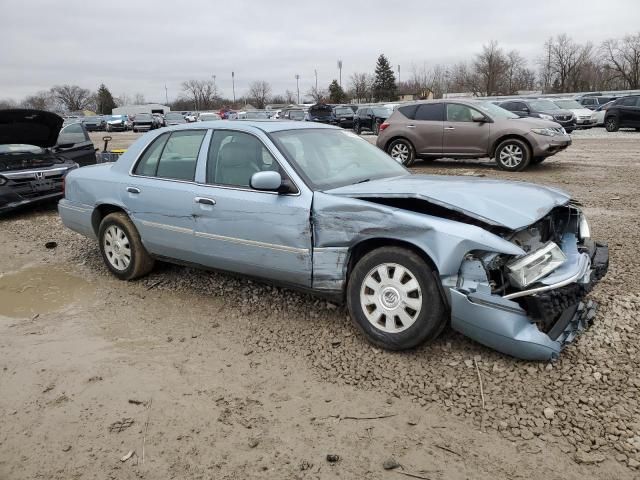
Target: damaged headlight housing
{"points": [[2, 180], [583, 228], [547, 132], [526, 270]]}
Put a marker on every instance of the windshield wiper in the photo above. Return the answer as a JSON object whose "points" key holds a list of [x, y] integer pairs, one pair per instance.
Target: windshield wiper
{"points": [[363, 181]]}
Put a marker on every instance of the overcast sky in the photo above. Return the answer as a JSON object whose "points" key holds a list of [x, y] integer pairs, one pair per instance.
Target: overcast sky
{"points": [[141, 45]]}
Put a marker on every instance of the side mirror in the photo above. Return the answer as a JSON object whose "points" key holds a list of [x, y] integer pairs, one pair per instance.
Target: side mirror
{"points": [[476, 117], [267, 181]]}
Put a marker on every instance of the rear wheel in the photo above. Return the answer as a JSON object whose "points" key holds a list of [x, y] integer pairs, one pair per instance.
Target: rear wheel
{"points": [[402, 150], [611, 124], [513, 155], [394, 299], [122, 249]]}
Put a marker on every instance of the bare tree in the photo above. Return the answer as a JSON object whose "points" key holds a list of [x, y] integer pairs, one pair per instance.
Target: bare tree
{"points": [[489, 67], [138, 99], [7, 104], [317, 94], [622, 59], [72, 97], [360, 87], [290, 97], [123, 99], [566, 62], [259, 93], [42, 100], [202, 93]]}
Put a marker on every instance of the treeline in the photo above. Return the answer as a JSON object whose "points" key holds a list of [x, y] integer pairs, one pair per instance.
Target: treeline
{"points": [[563, 65]]}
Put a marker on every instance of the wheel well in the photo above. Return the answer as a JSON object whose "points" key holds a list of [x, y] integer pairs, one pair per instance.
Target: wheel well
{"points": [[102, 211], [361, 249], [507, 137], [399, 137]]}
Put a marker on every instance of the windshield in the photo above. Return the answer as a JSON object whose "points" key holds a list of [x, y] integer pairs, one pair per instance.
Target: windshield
{"points": [[494, 110], [174, 116], [344, 111], [143, 116], [256, 115], [329, 159], [296, 114], [543, 105], [568, 104], [208, 116], [381, 112], [91, 119]]}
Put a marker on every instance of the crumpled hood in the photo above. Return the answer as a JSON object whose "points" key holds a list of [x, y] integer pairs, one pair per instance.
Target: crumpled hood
{"points": [[29, 127], [513, 205]]}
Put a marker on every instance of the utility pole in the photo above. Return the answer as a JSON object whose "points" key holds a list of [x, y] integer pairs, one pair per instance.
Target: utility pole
{"points": [[166, 94], [398, 74], [233, 85], [298, 87], [316, 74], [340, 69]]}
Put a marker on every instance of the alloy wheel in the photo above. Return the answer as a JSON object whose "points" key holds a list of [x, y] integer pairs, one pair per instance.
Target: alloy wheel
{"points": [[401, 152], [511, 155], [391, 298]]}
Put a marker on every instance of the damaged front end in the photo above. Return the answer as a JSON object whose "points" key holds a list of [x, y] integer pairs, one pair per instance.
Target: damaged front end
{"points": [[534, 305]]}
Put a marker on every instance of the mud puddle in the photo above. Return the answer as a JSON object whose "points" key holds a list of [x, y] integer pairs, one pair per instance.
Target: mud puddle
{"points": [[39, 290]]}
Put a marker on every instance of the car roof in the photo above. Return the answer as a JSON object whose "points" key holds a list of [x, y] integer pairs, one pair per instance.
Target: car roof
{"points": [[265, 125]]}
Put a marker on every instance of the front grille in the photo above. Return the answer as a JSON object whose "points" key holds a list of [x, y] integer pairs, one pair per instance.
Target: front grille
{"points": [[562, 118]]}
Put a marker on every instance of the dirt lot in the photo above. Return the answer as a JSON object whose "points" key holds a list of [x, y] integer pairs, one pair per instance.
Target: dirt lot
{"points": [[204, 375]]}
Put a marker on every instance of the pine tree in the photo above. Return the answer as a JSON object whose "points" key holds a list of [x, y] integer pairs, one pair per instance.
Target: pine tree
{"points": [[336, 93], [104, 101], [384, 85]]}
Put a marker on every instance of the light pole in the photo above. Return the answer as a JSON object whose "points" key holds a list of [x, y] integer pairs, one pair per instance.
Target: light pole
{"points": [[233, 86], [398, 74], [298, 87], [166, 94], [340, 68], [315, 72]]}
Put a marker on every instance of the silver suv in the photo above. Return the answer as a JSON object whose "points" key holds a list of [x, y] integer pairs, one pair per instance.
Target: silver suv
{"points": [[469, 129]]}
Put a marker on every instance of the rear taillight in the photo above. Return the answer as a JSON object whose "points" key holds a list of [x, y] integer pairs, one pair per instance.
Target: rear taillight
{"points": [[383, 126]]}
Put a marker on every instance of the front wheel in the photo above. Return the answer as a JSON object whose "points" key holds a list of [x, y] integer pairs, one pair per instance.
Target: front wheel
{"points": [[393, 297], [611, 124], [402, 150], [121, 247], [513, 155]]}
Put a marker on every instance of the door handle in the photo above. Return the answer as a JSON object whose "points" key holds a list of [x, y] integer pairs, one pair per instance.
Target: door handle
{"points": [[133, 190], [204, 201], [411, 126], [449, 128]]}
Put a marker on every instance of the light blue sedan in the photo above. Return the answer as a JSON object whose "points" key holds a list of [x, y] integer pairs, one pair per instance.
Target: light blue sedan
{"points": [[318, 208]]}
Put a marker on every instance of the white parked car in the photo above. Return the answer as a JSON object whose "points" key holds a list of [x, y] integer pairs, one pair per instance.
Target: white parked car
{"points": [[582, 114], [598, 114], [208, 116]]}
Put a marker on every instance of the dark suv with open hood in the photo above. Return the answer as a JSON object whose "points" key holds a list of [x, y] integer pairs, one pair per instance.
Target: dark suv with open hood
{"points": [[30, 169], [541, 108], [321, 113]]}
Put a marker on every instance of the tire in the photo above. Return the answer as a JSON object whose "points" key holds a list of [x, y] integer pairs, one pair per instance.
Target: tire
{"points": [[404, 151], [125, 256], [135, 130], [612, 124], [569, 130], [513, 155], [537, 160], [410, 325]]}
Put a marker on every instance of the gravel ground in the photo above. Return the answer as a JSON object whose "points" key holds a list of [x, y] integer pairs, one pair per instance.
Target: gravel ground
{"points": [[584, 407]]}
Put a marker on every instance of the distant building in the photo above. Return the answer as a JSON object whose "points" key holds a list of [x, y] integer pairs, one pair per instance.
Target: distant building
{"points": [[408, 96], [146, 108]]}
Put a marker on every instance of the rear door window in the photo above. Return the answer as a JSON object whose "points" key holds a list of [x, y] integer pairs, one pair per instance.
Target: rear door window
{"points": [[180, 155], [433, 112], [409, 111], [628, 102]]}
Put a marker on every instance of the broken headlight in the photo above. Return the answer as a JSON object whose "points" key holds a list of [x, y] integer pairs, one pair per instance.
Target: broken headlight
{"points": [[525, 270], [583, 228]]}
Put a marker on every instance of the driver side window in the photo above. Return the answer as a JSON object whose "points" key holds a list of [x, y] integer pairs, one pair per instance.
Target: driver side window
{"points": [[459, 113], [235, 156]]}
